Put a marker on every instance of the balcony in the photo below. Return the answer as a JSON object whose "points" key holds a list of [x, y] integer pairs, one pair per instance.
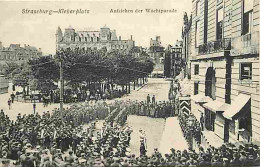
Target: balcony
{"points": [[245, 44], [215, 46]]}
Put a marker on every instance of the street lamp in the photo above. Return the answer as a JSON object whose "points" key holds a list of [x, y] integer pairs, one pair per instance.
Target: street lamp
{"points": [[60, 54]]}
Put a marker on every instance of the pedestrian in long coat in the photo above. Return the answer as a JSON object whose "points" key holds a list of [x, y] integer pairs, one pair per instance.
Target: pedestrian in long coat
{"points": [[152, 111]]}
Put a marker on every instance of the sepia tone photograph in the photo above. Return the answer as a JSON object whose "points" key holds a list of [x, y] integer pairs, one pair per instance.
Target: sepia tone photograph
{"points": [[129, 83]]}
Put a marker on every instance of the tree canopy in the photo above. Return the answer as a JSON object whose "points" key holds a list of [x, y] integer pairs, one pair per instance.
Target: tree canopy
{"points": [[80, 65]]}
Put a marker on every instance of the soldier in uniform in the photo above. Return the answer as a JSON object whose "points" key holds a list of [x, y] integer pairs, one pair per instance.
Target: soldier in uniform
{"points": [[70, 158], [148, 99], [153, 99]]}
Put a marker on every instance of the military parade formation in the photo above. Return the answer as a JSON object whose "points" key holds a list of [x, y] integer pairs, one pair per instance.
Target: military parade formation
{"points": [[62, 139]]}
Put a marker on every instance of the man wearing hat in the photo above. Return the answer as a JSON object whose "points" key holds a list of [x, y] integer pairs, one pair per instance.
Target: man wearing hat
{"points": [[82, 157], [115, 162], [98, 162], [69, 158], [59, 161], [46, 159], [204, 161], [216, 161], [236, 161], [28, 161]]}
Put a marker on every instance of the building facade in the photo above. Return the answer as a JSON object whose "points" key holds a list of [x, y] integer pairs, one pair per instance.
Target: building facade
{"points": [[224, 62], [18, 54], [3, 84], [156, 53], [186, 47], [173, 56], [105, 38]]}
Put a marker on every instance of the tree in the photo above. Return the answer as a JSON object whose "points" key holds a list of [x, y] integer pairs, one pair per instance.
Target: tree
{"points": [[23, 77], [10, 68], [45, 72], [92, 66]]}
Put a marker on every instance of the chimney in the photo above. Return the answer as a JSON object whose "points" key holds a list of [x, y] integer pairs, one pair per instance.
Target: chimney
{"points": [[119, 38], [158, 38], [131, 37]]}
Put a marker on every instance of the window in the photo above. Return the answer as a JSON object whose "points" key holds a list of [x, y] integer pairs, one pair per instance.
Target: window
{"points": [[196, 69], [219, 24], [247, 17], [161, 60], [196, 88], [205, 22], [197, 8], [197, 34], [245, 71]]}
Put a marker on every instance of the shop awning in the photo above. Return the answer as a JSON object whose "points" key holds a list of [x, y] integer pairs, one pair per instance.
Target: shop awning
{"points": [[157, 72], [200, 98], [185, 87], [197, 97], [216, 106], [236, 106], [184, 98]]}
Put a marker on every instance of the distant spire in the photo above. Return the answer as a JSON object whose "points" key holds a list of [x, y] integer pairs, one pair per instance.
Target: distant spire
{"points": [[59, 34]]}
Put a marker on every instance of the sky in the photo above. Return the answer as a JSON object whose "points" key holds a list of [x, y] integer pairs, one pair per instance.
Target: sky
{"points": [[39, 30]]}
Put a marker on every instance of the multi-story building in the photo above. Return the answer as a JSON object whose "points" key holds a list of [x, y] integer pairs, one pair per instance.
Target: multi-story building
{"points": [[225, 69], [105, 38], [173, 56], [16, 53], [186, 38], [157, 55]]}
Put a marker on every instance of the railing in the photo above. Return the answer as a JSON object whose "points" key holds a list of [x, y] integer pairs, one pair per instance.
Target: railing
{"points": [[215, 46], [246, 39], [245, 44]]}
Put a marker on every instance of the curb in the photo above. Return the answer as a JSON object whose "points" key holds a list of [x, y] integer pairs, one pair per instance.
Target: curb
{"points": [[141, 87]]}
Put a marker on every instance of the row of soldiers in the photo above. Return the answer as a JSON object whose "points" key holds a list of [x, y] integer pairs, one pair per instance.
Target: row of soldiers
{"points": [[86, 112], [190, 131]]}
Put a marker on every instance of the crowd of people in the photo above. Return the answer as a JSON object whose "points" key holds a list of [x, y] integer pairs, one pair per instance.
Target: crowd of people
{"points": [[72, 138], [70, 96]]}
